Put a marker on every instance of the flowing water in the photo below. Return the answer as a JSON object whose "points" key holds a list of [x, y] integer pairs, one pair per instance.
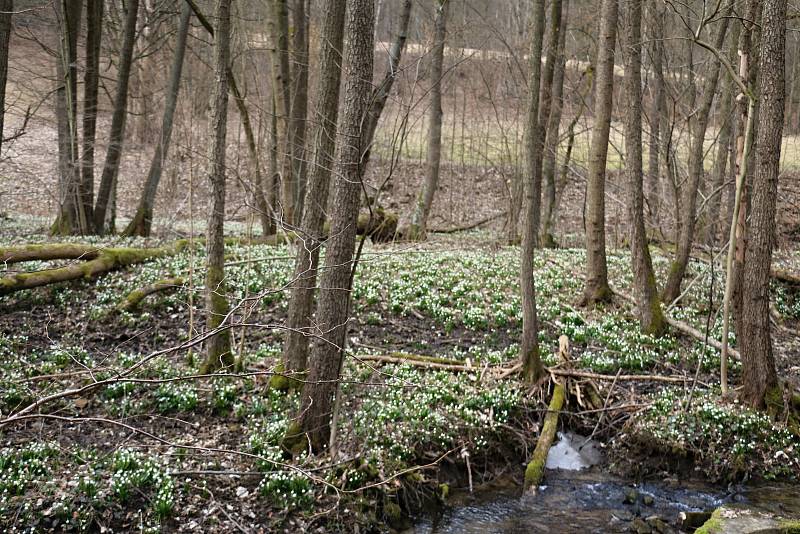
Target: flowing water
{"points": [[580, 498]]}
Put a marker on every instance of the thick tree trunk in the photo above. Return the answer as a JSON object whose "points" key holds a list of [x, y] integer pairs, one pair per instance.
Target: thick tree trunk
{"points": [[142, 221], [295, 347], [529, 346], [6, 7], [381, 94], [596, 288], [759, 376], [648, 305], [91, 82], [70, 218], [699, 125], [106, 193], [300, 60], [418, 228], [218, 347], [550, 155], [333, 308], [281, 90]]}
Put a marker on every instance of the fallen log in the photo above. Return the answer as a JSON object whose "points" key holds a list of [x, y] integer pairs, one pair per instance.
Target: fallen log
{"points": [[785, 276], [47, 252], [535, 470], [468, 226], [102, 261], [135, 298]]}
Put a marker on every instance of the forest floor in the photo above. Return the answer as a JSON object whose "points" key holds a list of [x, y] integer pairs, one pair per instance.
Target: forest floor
{"points": [[165, 451]]}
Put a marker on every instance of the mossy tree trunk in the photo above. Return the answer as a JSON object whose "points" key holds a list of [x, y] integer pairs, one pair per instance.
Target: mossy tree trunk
{"points": [[295, 348], [313, 425], [648, 305], [218, 346]]}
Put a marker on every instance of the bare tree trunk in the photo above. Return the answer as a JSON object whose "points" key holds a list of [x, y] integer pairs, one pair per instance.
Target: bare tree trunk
{"points": [[596, 288], [327, 352], [699, 125], [299, 103], [6, 7], [70, 219], [648, 305], [720, 168], [545, 105], [384, 88], [657, 109], [295, 347], [422, 209], [142, 221], [550, 155], [281, 90], [218, 347], [106, 194], [760, 379], [529, 347], [91, 82]]}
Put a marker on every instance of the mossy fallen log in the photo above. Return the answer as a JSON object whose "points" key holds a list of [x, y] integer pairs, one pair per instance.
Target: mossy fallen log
{"points": [[102, 260], [534, 473], [48, 252], [135, 298]]}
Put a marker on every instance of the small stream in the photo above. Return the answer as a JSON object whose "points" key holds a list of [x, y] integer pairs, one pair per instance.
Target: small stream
{"points": [[579, 496]]}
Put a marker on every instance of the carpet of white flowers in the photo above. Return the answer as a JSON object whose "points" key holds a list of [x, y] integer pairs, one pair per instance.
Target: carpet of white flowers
{"points": [[394, 416]]}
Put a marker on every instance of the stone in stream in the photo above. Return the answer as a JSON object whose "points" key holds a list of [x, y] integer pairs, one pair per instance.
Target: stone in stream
{"points": [[631, 496], [735, 519]]}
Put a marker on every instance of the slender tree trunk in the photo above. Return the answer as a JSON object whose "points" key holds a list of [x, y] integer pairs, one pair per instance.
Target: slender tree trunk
{"points": [[759, 376], [720, 168], [658, 106], [596, 288], [295, 347], [91, 82], [529, 347], [142, 221], [545, 105], [281, 90], [550, 155], [422, 209], [381, 94], [106, 194], [6, 7], [299, 103], [218, 347], [333, 307], [699, 125], [648, 305], [70, 218]]}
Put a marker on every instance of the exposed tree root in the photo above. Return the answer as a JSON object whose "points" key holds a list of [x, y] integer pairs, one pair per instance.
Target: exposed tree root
{"points": [[135, 298], [535, 470]]}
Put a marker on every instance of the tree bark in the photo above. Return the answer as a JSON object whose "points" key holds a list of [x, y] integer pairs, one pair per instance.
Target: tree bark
{"points": [[596, 288], [142, 221], [91, 82], [6, 7], [699, 125], [381, 94], [295, 347], [299, 103], [529, 346], [422, 209], [70, 218], [550, 155], [333, 308], [759, 376], [106, 193], [218, 347], [648, 305], [657, 109], [281, 90]]}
